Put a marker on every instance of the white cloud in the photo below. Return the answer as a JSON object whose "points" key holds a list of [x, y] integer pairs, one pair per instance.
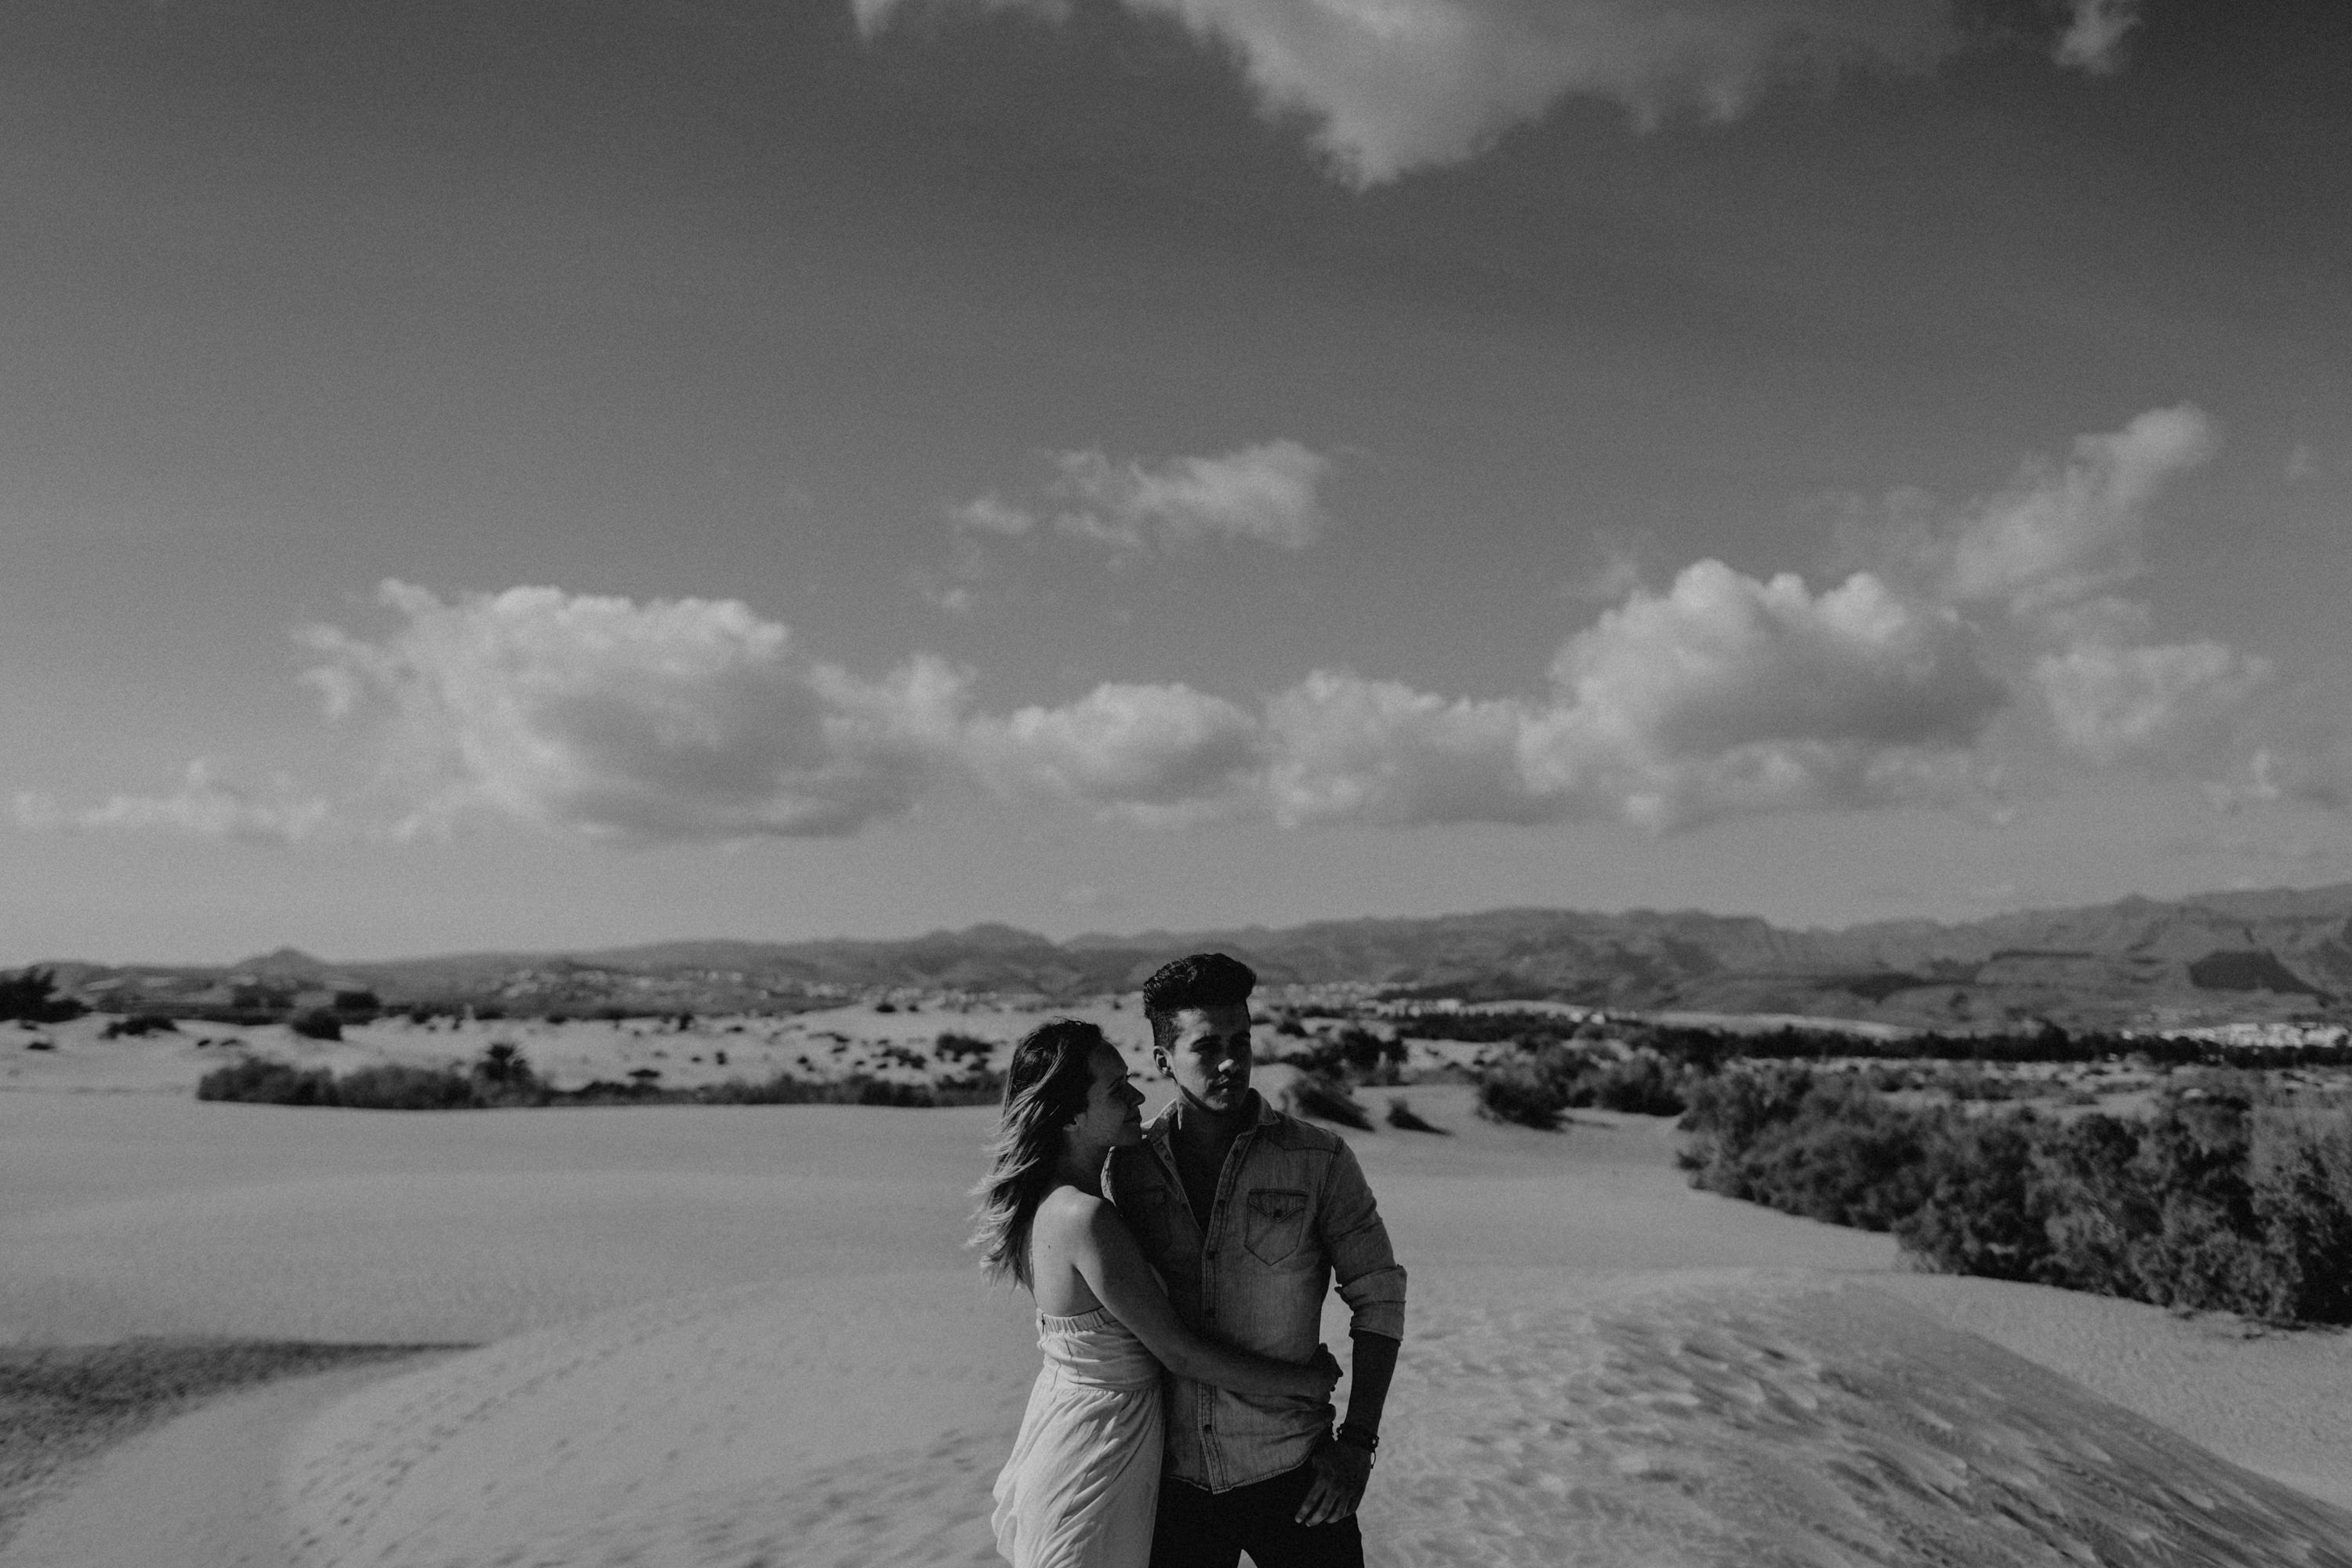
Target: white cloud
{"points": [[2094, 39], [1396, 85], [1265, 494], [667, 720], [2314, 769], [2061, 535], [1728, 695], [203, 806], [2050, 552], [1725, 694], [1344, 749], [1722, 659], [993, 514], [1153, 754], [2112, 703]]}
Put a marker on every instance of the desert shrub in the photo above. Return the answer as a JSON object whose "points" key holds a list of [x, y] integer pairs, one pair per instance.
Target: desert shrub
{"points": [[138, 1025], [1548, 1076], [1355, 1054], [1532, 1084], [397, 1086], [1984, 1208], [317, 1023], [1526, 1089], [1327, 1099], [2305, 1199], [1370, 1057], [789, 1089], [1645, 1082], [32, 996], [503, 1076], [1826, 1147], [889, 1091], [358, 1001], [261, 1080], [1402, 1116], [954, 1047], [2202, 1205]]}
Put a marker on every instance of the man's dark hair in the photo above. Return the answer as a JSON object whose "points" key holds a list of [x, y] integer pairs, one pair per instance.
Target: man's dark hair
{"points": [[1202, 980]]}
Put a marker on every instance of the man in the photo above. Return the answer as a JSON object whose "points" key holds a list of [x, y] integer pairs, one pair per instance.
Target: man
{"points": [[1249, 1215]]}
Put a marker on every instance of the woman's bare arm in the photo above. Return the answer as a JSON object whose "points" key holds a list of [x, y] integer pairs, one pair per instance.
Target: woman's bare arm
{"points": [[1103, 1252]]}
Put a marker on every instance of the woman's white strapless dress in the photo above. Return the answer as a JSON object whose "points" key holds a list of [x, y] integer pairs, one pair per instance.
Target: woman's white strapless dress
{"points": [[1083, 1478]]}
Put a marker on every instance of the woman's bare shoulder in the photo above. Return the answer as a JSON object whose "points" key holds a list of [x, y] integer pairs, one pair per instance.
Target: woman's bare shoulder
{"points": [[1067, 1211]]}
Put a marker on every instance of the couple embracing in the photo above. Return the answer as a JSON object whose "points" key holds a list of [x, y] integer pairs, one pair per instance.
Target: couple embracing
{"points": [[1183, 1414]]}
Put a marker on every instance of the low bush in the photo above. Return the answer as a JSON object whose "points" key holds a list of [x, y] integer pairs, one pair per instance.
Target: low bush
{"points": [[1327, 1099], [954, 1047], [32, 996], [1645, 1082], [318, 1024], [787, 1088], [262, 1082], [1536, 1084], [502, 1078], [138, 1025], [2206, 1205], [395, 1086], [1518, 1090], [1404, 1117], [1355, 1053], [1823, 1147]]}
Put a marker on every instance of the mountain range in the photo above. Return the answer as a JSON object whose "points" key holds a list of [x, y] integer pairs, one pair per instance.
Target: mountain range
{"points": [[2276, 955]]}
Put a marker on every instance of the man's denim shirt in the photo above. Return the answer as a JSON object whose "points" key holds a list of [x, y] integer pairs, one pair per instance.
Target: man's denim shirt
{"points": [[1292, 1212]]}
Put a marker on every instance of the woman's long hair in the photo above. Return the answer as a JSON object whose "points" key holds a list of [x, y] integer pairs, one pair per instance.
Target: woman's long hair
{"points": [[1045, 1088]]}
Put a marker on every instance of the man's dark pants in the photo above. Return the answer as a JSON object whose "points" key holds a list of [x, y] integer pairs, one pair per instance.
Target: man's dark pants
{"points": [[1197, 1528]]}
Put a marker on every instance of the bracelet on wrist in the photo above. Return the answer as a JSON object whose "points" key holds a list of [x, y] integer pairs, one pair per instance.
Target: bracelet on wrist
{"points": [[1357, 1435]]}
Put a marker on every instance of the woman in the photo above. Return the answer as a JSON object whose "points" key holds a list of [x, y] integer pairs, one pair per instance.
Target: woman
{"points": [[1084, 1478]]}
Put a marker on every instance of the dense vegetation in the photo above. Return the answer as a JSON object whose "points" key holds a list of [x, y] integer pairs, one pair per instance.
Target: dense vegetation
{"points": [[1708, 1047], [1353, 1053], [32, 997], [2214, 1202], [502, 1079], [1537, 1086]]}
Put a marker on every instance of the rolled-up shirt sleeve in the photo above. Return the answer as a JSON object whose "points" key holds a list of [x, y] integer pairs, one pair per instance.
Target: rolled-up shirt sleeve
{"points": [[1363, 1264]]}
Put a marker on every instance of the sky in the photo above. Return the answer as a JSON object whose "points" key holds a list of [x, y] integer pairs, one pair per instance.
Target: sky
{"points": [[538, 476]]}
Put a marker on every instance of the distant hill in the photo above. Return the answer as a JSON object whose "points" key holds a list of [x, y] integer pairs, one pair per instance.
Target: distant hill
{"points": [[2141, 962]]}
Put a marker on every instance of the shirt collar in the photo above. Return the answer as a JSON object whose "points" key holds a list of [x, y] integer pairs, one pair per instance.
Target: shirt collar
{"points": [[1163, 1126]]}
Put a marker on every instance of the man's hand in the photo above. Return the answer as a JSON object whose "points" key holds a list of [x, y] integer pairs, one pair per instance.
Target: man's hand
{"points": [[1341, 1469]]}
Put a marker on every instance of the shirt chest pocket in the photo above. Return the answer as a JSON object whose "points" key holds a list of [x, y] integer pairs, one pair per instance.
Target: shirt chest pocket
{"points": [[1276, 1225]]}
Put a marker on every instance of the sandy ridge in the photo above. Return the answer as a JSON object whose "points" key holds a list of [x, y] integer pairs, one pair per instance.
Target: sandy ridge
{"points": [[62, 1407], [1695, 1417]]}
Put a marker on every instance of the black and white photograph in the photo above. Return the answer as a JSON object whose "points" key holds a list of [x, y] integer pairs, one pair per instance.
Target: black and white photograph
{"points": [[1165, 783]]}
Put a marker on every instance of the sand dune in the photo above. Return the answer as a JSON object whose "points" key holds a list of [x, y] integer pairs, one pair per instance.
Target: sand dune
{"points": [[1732, 1418], [727, 1336]]}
